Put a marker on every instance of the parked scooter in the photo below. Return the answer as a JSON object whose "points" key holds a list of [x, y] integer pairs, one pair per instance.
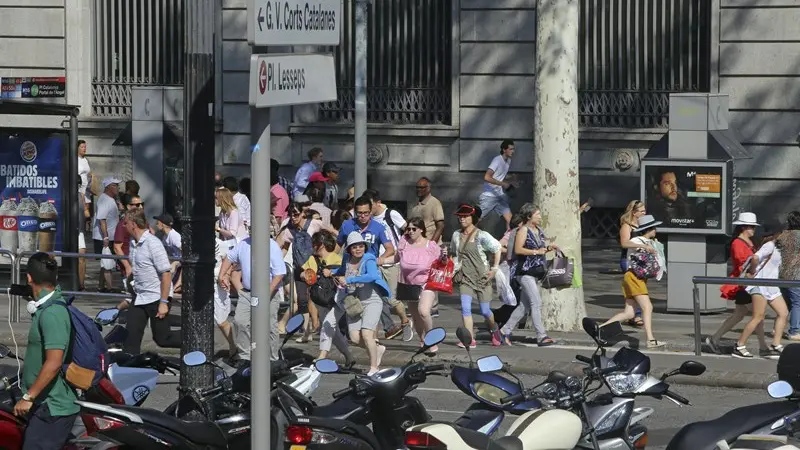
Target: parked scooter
{"points": [[226, 407], [775, 418], [12, 428], [380, 400]]}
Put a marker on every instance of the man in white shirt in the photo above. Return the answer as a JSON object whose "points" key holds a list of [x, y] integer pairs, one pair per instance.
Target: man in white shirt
{"points": [[395, 225], [83, 208], [172, 244], [494, 197], [277, 270], [315, 160], [241, 200], [106, 217]]}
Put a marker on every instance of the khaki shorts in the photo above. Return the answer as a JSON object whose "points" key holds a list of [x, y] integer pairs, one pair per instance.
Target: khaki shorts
{"points": [[482, 296], [633, 286]]}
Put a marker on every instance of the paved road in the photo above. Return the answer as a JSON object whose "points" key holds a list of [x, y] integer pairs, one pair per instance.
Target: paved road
{"points": [[444, 402]]}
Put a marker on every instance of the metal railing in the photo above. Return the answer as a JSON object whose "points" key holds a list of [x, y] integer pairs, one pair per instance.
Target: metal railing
{"points": [[16, 277], [734, 281]]}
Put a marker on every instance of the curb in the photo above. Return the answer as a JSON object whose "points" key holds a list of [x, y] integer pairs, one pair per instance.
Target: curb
{"points": [[533, 366]]}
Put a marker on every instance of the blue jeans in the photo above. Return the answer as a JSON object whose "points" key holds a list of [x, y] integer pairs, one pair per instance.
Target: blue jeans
{"points": [[623, 264], [792, 296]]}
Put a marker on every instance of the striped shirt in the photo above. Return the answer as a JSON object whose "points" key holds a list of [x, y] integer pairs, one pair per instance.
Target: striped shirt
{"points": [[149, 260]]}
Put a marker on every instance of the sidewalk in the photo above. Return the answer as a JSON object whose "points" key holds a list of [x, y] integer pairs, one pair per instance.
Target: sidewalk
{"points": [[603, 300]]}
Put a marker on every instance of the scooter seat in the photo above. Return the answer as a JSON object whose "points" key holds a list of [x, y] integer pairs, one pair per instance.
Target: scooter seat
{"points": [[203, 433], [705, 435], [341, 409], [477, 440]]}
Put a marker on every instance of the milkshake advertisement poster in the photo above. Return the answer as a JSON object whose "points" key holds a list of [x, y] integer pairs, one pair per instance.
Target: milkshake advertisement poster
{"points": [[31, 212]]}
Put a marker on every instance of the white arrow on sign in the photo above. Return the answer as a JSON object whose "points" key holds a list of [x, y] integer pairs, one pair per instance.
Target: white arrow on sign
{"points": [[294, 22], [291, 79]]}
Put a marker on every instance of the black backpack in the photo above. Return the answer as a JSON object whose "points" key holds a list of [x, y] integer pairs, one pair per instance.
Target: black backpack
{"points": [[323, 292]]}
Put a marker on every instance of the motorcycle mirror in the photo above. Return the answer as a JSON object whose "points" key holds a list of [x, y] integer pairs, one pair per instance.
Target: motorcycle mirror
{"points": [[556, 376], [106, 316], [194, 359], [326, 366], [590, 327], [490, 364], [780, 389], [434, 337], [692, 368], [464, 336], [609, 331], [4, 351], [294, 324]]}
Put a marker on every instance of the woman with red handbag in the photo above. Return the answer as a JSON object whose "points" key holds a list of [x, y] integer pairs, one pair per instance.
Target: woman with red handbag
{"points": [[416, 253], [740, 250]]}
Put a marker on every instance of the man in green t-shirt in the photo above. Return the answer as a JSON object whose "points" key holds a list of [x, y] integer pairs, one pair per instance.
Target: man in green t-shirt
{"points": [[49, 401]]}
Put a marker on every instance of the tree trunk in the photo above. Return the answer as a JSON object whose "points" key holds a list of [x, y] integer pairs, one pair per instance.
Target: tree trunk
{"points": [[555, 149]]}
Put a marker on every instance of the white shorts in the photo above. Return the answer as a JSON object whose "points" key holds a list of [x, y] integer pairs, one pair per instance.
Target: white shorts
{"points": [[222, 301], [768, 292], [490, 202], [81, 241]]}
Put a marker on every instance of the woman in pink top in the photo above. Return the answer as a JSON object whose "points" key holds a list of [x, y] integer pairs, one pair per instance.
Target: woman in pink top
{"points": [[416, 254], [231, 224]]}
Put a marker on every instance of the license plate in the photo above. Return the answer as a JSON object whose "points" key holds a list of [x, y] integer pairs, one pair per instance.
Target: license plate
{"points": [[297, 447]]}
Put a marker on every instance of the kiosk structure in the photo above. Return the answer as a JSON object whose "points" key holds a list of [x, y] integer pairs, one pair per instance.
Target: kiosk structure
{"points": [[687, 183]]}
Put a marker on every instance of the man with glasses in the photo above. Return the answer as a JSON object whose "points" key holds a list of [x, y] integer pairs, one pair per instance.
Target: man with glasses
{"points": [[122, 239]]}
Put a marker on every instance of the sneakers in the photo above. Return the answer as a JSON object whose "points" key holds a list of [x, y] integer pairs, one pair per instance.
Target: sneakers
{"points": [[408, 331], [497, 338], [713, 345], [472, 345], [774, 352], [740, 351], [393, 332], [434, 313]]}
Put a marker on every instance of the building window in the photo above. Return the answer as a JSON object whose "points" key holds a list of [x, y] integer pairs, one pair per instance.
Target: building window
{"points": [[135, 43], [409, 64], [634, 53]]}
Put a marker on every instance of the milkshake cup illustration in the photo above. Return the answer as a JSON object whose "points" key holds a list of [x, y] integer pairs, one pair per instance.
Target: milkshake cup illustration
{"points": [[8, 225], [28, 224], [48, 220]]}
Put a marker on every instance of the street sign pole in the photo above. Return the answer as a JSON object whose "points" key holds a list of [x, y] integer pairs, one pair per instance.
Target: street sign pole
{"points": [[279, 80], [361, 98]]}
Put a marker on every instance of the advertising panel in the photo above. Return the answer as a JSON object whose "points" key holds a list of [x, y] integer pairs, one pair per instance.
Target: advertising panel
{"points": [[688, 196], [31, 190]]}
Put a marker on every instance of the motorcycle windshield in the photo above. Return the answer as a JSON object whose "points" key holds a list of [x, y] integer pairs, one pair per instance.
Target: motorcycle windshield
{"points": [[490, 388]]}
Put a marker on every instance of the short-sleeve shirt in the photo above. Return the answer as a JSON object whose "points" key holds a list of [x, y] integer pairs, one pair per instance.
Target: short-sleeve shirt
{"points": [[243, 205], [500, 167], [122, 236], [172, 243], [332, 260], [375, 233], [313, 228], [51, 328], [106, 209], [431, 211], [149, 261], [283, 201], [399, 223], [240, 254]]}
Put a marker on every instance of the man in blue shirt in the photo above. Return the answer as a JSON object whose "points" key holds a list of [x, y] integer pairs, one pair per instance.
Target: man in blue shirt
{"points": [[277, 270], [376, 234]]}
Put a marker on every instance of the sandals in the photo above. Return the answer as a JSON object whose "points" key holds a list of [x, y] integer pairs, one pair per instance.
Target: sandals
{"points": [[655, 343], [636, 322], [546, 341]]}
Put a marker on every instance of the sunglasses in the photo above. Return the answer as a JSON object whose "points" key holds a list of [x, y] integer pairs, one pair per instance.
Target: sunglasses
{"points": [[363, 213], [137, 205], [412, 229]]}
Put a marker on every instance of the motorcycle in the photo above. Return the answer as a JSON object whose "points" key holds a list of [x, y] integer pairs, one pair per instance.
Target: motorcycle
{"points": [[224, 406], [762, 421], [12, 428], [614, 415], [380, 400]]}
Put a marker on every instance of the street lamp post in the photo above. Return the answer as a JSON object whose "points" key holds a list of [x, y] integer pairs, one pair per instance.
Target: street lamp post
{"points": [[197, 208]]}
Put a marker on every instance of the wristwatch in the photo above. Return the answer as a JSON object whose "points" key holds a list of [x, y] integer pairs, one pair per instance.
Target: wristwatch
{"points": [[27, 398]]}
